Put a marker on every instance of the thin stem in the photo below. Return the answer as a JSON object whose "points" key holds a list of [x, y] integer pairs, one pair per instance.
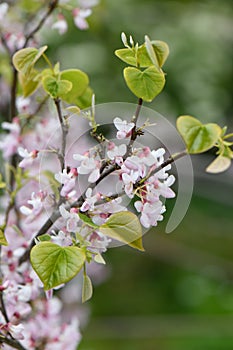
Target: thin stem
{"points": [[134, 130], [64, 130], [3, 308], [170, 160], [14, 84], [52, 6], [11, 342], [42, 230]]}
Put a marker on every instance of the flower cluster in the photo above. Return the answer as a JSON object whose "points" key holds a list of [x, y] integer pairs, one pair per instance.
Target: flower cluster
{"points": [[79, 14]]}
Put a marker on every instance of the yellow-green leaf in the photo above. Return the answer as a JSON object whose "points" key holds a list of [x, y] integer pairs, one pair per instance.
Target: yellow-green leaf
{"points": [[29, 85], [145, 84], [3, 240], [25, 59], [87, 289], [56, 88], [198, 137], [125, 227], [79, 82], [127, 55], [55, 264], [219, 165]]}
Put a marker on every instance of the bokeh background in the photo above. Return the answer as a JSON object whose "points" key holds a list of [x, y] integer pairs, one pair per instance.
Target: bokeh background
{"points": [[179, 293]]}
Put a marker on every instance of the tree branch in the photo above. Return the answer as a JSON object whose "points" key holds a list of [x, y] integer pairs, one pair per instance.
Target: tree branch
{"points": [[52, 5], [11, 342], [64, 130]]}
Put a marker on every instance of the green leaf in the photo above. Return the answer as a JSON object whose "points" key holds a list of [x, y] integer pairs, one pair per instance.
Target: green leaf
{"points": [[198, 137], [219, 165], [25, 59], [145, 84], [55, 264], [87, 289], [151, 52], [99, 259], [87, 220], [2, 183], [56, 88], [125, 227], [79, 82], [161, 50], [85, 99], [142, 58], [44, 238], [3, 240], [29, 85], [127, 56]]}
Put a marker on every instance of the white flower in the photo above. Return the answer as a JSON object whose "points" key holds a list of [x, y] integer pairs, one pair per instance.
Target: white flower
{"points": [[23, 104], [36, 205], [71, 218], [80, 16], [88, 166], [17, 331], [123, 127], [150, 213], [67, 179], [28, 157], [90, 200], [117, 153], [60, 25], [99, 242], [61, 239], [129, 180]]}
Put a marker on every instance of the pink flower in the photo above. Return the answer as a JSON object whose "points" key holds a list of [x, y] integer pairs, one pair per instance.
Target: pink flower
{"points": [[61, 239], [71, 218], [80, 16], [28, 157], [67, 179], [99, 242], [23, 104], [116, 153], [88, 166], [17, 331], [129, 180], [150, 213], [60, 25], [124, 128], [90, 200], [36, 203]]}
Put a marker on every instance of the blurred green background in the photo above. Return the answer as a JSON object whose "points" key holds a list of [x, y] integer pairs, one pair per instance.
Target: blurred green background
{"points": [[179, 293]]}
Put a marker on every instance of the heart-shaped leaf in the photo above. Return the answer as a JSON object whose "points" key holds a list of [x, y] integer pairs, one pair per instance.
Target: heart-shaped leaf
{"points": [[145, 84], [79, 82], [125, 227], [29, 85], [198, 137], [56, 88], [219, 165], [25, 59], [127, 56], [55, 264], [141, 58]]}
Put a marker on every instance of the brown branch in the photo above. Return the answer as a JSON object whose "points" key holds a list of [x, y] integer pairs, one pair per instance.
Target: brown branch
{"points": [[11, 342], [52, 6], [64, 130], [134, 130]]}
